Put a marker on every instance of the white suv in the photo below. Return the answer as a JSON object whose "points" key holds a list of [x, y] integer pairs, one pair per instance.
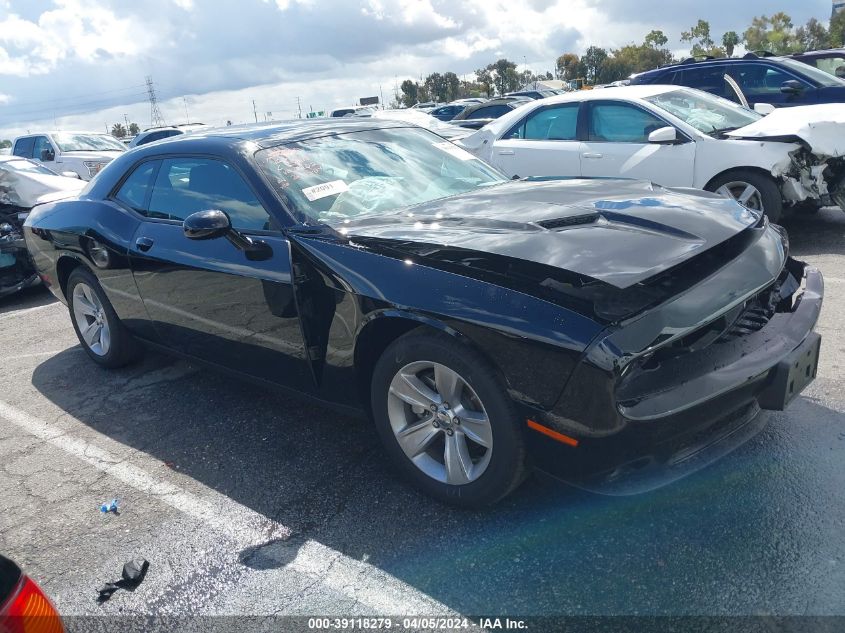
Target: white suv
{"points": [[84, 153]]}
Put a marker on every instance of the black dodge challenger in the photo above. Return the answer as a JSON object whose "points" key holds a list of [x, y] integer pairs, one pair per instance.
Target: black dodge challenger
{"points": [[611, 333]]}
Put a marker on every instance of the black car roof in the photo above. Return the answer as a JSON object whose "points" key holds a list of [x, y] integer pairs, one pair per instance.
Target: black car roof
{"points": [[276, 133], [694, 63]]}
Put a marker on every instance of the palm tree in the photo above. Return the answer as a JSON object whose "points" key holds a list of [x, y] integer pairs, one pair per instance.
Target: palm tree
{"points": [[118, 131], [729, 41]]}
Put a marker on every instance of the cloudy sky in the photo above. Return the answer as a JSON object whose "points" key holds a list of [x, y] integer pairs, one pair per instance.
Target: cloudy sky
{"points": [[82, 64]]}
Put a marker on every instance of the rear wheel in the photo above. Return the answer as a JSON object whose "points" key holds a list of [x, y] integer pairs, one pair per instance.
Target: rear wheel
{"points": [[446, 420], [102, 335], [752, 190]]}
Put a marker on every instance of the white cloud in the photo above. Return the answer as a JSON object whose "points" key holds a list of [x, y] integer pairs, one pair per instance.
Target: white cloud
{"points": [[83, 62], [87, 31]]}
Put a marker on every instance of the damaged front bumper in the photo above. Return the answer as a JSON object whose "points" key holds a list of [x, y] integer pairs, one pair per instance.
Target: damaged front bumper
{"points": [[681, 413], [16, 268], [812, 178]]}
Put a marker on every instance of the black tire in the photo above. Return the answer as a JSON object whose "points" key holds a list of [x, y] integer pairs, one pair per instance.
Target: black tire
{"points": [[506, 469], [123, 348], [772, 201]]}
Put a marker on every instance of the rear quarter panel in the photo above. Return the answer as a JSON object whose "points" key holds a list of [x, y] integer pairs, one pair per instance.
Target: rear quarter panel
{"points": [[64, 234]]}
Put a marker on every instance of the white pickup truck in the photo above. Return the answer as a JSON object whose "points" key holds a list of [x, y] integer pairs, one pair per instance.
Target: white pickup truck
{"points": [[83, 153]]}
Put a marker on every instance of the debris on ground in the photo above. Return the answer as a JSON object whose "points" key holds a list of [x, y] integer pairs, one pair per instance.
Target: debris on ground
{"points": [[133, 575], [111, 506]]}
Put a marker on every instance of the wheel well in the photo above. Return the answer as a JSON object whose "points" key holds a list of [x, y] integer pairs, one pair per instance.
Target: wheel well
{"points": [[370, 345], [64, 267], [737, 170]]}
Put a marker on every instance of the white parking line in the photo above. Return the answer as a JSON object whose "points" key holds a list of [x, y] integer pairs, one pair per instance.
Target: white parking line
{"points": [[376, 589], [25, 310]]}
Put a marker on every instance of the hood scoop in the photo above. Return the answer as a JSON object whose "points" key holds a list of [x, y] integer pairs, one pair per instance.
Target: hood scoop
{"points": [[572, 220]]}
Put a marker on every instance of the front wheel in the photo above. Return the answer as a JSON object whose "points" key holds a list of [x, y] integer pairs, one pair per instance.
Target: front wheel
{"points": [[102, 335], [446, 420], [755, 191]]}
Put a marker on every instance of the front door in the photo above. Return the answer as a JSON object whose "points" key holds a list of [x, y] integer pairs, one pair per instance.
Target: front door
{"points": [[544, 143], [206, 298], [617, 147]]}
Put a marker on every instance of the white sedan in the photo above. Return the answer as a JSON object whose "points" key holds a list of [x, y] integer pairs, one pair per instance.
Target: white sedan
{"points": [[676, 137]]}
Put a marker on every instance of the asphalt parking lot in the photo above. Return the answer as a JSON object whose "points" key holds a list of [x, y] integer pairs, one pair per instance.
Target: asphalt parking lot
{"points": [[248, 502]]}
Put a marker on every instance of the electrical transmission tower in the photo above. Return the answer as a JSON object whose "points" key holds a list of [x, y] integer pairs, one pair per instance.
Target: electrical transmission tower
{"points": [[155, 114]]}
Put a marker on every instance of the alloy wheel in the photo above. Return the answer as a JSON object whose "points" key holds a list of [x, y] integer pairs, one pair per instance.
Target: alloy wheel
{"points": [[440, 423], [91, 319], [743, 192]]}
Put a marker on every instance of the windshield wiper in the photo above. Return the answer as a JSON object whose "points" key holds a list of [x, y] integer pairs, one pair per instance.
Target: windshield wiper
{"points": [[724, 130]]}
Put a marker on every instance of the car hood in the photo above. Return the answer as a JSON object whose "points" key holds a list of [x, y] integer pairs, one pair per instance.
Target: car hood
{"points": [[20, 189], [820, 128], [620, 232]]}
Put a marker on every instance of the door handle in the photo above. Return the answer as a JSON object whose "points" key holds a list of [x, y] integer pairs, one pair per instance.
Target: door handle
{"points": [[506, 152], [591, 155], [144, 244]]}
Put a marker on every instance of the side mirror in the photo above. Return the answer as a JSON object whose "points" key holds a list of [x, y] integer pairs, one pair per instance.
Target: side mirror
{"points": [[664, 136], [211, 224], [71, 174], [764, 108], [47, 155], [206, 225], [792, 87]]}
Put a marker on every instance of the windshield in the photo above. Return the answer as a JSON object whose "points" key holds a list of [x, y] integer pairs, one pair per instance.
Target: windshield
{"points": [[26, 166], [705, 112], [69, 142], [819, 76], [339, 179]]}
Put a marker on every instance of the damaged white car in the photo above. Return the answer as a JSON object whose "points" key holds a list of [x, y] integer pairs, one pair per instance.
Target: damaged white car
{"points": [[23, 185], [676, 137]]}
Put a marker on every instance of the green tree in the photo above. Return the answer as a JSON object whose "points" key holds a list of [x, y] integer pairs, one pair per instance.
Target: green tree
{"points": [[592, 61], [774, 34], [410, 93], [484, 78], [505, 77], [453, 86], [118, 130], [134, 130], [5, 143], [836, 30], [567, 66], [435, 85], [812, 36], [656, 39], [730, 40], [699, 38]]}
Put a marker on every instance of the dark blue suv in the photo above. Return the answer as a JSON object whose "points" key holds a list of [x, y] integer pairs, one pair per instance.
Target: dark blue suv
{"points": [[780, 81]]}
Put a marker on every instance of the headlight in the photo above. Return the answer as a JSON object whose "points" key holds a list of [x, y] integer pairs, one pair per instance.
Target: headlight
{"points": [[94, 167]]}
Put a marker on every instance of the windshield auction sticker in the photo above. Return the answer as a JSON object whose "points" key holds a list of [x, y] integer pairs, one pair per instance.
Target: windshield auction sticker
{"points": [[325, 190]]}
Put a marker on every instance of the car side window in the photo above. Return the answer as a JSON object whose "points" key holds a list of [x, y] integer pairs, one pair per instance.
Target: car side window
{"points": [[23, 147], [41, 143], [133, 191], [710, 78], [490, 112], [760, 79], [187, 185], [555, 123], [621, 123]]}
